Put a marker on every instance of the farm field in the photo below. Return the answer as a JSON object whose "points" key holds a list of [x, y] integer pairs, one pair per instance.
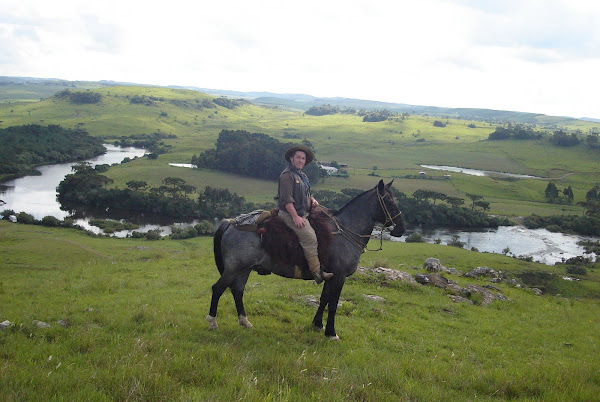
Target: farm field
{"points": [[391, 149], [126, 321]]}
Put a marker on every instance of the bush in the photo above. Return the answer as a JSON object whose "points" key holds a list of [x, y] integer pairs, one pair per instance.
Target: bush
{"points": [[6, 213], [187, 233], [576, 270], [455, 242], [50, 221], [24, 217], [205, 228], [137, 235], [415, 238], [153, 234]]}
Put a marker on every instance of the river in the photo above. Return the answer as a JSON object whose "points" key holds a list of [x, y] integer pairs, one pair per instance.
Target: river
{"points": [[36, 195]]}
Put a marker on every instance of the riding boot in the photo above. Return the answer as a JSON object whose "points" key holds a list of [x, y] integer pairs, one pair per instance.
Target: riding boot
{"points": [[315, 268]]}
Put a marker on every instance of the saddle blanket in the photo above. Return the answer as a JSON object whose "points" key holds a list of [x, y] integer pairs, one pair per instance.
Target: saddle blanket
{"points": [[251, 220]]}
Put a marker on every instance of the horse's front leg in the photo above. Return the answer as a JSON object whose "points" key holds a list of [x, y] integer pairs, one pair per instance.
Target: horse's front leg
{"points": [[336, 284], [317, 322], [237, 290]]}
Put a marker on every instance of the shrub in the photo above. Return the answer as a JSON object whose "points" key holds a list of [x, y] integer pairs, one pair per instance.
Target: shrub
{"points": [[153, 234], [576, 270], [415, 238], [137, 235], [24, 217], [205, 228], [6, 213], [455, 242], [50, 221]]}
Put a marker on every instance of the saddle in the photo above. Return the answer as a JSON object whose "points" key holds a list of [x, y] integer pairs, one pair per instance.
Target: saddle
{"points": [[281, 243]]}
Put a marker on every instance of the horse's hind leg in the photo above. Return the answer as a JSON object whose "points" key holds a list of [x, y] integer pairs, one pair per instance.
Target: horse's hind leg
{"points": [[237, 290], [317, 322], [217, 290]]}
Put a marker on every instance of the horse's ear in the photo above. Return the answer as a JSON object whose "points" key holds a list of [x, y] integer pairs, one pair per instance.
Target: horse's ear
{"points": [[389, 185], [381, 187]]}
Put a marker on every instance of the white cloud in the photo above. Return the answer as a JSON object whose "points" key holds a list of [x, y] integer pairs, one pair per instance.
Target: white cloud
{"points": [[538, 55]]}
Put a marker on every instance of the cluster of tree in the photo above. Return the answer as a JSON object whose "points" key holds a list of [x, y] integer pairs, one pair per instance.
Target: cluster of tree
{"points": [[229, 103], [563, 139], [421, 208], [323, 110], [87, 187], [151, 142], [439, 123], [583, 225], [553, 195], [251, 154], [23, 147], [79, 98], [378, 115], [145, 100], [592, 202], [517, 132]]}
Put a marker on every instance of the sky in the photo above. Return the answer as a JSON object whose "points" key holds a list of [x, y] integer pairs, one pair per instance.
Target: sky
{"points": [[538, 56]]}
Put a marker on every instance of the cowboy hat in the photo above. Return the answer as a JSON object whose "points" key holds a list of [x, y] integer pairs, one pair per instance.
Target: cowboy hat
{"points": [[309, 153]]}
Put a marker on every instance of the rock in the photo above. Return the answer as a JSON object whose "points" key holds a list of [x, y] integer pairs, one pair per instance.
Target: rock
{"points": [[374, 298], [6, 324], [492, 287], [12, 218], [459, 299], [422, 279], [488, 296], [537, 292], [486, 271], [390, 274], [41, 324], [63, 323], [311, 300], [434, 265]]}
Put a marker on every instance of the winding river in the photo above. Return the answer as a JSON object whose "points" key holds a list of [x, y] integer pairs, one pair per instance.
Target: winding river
{"points": [[36, 195]]}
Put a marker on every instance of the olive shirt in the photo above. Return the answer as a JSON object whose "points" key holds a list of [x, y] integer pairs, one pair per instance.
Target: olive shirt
{"points": [[293, 189]]}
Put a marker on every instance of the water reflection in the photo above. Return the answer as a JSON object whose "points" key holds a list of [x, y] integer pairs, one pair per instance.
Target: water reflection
{"points": [[540, 244], [475, 172], [36, 195]]}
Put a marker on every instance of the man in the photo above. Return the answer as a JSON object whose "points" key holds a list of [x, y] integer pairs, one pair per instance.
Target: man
{"points": [[294, 202]]}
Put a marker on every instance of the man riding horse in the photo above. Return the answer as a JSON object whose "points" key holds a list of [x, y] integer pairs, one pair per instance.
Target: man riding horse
{"points": [[294, 201]]}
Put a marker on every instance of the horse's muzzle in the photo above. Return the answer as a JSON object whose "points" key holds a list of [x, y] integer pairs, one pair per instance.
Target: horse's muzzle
{"points": [[397, 231]]}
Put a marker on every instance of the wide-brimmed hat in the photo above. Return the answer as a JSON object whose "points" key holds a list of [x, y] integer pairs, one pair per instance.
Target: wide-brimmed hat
{"points": [[309, 153]]}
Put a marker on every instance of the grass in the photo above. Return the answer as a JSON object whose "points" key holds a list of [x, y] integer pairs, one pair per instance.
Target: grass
{"points": [[134, 314], [391, 146]]}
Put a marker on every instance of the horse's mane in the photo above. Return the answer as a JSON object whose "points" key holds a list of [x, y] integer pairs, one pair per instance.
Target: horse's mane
{"points": [[339, 211]]}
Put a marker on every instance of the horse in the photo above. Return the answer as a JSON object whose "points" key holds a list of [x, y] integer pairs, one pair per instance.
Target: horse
{"points": [[238, 252]]}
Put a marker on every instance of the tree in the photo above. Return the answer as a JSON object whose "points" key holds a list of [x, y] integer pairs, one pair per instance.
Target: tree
{"points": [[568, 193], [474, 198], [454, 201], [551, 192], [136, 185]]}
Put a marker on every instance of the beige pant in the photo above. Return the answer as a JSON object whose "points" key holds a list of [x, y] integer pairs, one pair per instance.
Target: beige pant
{"points": [[308, 241]]}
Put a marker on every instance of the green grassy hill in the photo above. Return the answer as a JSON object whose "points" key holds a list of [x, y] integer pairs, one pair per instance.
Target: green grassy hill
{"points": [[390, 149], [125, 320]]}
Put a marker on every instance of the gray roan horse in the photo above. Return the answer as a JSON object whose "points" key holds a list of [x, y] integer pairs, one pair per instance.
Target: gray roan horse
{"points": [[238, 252]]}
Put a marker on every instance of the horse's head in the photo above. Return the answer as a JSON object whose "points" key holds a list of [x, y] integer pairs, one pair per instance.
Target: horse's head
{"points": [[391, 215]]}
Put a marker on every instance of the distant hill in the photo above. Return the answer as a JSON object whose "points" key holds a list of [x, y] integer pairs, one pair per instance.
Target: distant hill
{"points": [[22, 89]]}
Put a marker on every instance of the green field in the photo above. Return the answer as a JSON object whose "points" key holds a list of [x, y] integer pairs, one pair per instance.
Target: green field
{"points": [[394, 148], [132, 327]]}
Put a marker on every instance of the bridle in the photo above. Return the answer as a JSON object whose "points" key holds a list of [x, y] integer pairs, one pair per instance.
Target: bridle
{"points": [[344, 231]]}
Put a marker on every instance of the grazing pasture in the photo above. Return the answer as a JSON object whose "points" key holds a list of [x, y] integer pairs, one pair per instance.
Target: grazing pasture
{"points": [[126, 320]]}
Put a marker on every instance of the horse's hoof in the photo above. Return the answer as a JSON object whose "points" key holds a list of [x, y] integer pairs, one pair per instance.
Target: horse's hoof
{"points": [[212, 322], [317, 328], [333, 338], [244, 322]]}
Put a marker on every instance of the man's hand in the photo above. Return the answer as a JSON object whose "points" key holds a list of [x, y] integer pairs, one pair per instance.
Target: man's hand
{"points": [[298, 221], [314, 202]]}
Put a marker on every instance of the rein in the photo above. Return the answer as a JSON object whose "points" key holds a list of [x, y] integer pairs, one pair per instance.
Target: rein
{"points": [[356, 243]]}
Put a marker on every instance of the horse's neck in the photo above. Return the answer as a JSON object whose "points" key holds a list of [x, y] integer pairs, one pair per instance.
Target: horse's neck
{"points": [[356, 215]]}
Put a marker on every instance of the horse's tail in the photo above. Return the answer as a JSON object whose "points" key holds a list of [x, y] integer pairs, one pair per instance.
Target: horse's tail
{"points": [[217, 245]]}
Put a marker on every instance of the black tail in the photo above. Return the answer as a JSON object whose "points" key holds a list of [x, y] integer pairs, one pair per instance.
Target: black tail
{"points": [[217, 245]]}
